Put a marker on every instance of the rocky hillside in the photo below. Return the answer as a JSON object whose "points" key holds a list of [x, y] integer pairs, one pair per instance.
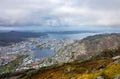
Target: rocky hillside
{"points": [[84, 49]]}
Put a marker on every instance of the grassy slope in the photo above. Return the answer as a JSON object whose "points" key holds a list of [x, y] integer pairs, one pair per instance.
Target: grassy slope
{"points": [[89, 69], [86, 70]]}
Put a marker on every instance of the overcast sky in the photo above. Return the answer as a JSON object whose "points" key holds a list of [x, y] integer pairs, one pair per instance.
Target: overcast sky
{"points": [[49, 14]]}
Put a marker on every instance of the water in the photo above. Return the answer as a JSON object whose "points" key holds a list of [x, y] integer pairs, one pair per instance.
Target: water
{"points": [[78, 36], [70, 36], [42, 53]]}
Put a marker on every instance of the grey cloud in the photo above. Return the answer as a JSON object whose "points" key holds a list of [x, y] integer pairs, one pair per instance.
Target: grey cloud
{"points": [[60, 12], [105, 4]]}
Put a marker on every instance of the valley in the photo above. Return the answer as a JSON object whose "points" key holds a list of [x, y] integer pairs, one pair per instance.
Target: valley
{"points": [[98, 50]]}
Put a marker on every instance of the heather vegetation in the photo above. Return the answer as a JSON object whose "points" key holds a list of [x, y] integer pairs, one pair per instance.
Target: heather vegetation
{"points": [[102, 65]]}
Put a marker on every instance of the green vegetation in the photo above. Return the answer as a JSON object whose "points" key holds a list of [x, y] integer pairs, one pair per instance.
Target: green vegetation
{"points": [[90, 38], [112, 71], [69, 70], [41, 46], [11, 66], [107, 53]]}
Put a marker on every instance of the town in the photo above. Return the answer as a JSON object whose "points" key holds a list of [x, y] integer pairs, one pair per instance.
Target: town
{"points": [[25, 48]]}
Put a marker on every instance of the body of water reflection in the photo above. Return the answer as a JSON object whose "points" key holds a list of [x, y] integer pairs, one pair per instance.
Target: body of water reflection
{"points": [[42, 53]]}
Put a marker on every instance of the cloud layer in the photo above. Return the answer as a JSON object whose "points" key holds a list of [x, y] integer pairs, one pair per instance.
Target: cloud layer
{"points": [[60, 12]]}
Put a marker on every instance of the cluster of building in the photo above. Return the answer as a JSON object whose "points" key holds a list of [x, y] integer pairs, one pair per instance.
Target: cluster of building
{"points": [[11, 52]]}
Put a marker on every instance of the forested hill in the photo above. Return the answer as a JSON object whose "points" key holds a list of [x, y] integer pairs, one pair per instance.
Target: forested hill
{"points": [[6, 38]]}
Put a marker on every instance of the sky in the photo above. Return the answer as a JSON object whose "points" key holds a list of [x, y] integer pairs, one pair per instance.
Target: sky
{"points": [[59, 14]]}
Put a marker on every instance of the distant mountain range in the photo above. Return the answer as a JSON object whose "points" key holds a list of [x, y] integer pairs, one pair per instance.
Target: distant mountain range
{"points": [[6, 38]]}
